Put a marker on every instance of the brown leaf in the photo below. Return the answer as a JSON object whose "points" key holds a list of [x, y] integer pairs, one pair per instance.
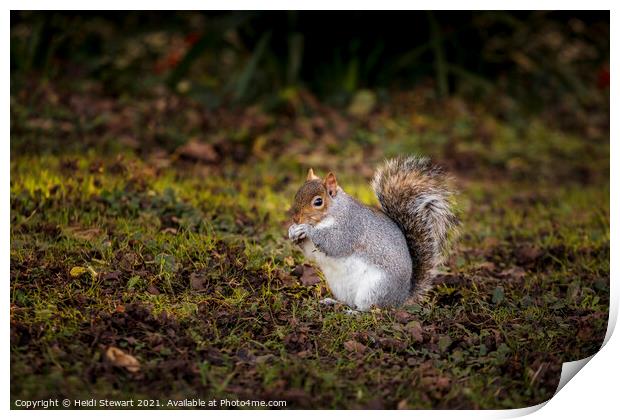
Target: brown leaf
{"points": [[152, 289], [402, 316], [309, 276], [284, 277], [487, 266], [513, 273], [392, 344], [111, 276], [197, 281], [121, 359], [414, 328], [128, 261], [85, 234], [354, 346], [198, 151]]}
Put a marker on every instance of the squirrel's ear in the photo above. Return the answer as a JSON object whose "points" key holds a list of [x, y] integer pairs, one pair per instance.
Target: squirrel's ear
{"points": [[311, 176], [331, 185]]}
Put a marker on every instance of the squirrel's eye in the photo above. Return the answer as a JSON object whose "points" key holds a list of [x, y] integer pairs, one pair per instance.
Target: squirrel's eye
{"points": [[317, 202]]}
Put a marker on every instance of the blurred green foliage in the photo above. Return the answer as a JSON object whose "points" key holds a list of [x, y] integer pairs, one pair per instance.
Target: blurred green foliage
{"points": [[538, 58]]}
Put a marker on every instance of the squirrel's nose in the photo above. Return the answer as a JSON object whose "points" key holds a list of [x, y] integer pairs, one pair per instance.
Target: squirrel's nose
{"points": [[296, 218]]}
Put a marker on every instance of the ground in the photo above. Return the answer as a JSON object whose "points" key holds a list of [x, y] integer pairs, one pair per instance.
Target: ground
{"points": [[158, 227]]}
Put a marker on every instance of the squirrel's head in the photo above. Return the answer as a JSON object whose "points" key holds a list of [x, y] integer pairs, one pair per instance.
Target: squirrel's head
{"points": [[313, 199]]}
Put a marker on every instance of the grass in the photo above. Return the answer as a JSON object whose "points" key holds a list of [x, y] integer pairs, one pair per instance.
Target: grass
{"points": [[186, 266]]}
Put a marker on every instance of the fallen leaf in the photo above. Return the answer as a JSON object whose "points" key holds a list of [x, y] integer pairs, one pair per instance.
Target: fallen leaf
{"points": [[197, 281], [110, 276], [354, 346], [198, 151], [152, 289], [309, 276], [77, 271], [284, 277], [402, 316], [514, 273], [121, 359], [392, 344], [414, 328], [486, 266], [85, 234], [128, 261]]}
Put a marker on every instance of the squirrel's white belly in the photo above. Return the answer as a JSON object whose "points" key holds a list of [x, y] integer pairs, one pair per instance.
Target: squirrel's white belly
{"points": [[351, 279]]}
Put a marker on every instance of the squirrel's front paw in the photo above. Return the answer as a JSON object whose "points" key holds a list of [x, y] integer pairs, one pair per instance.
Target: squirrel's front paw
{"points": [[296, 233]]}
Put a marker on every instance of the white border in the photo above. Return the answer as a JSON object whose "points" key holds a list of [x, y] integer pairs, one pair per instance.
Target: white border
{"points": [[594, 393]]}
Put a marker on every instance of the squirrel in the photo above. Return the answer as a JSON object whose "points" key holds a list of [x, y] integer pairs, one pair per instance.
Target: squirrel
{"points": [[383, 257]]}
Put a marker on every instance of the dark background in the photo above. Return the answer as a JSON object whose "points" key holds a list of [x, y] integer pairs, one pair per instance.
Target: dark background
{"points": [[554, 63]]}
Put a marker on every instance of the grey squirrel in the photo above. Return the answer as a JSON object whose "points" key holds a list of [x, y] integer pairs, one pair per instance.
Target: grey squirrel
{"points": [[371, 256]]}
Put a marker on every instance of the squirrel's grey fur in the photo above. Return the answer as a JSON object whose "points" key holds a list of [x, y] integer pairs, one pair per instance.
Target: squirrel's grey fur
{"points": [[396, 248], [372, 237]]}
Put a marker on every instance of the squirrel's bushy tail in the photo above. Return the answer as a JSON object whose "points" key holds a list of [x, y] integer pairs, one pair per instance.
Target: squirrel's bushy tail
{"points": [[414, 194]]}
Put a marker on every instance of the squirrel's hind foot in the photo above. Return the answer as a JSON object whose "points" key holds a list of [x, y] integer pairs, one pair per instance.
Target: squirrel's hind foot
{"points": [[333, 302], [329, 302], [350, 311]]}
